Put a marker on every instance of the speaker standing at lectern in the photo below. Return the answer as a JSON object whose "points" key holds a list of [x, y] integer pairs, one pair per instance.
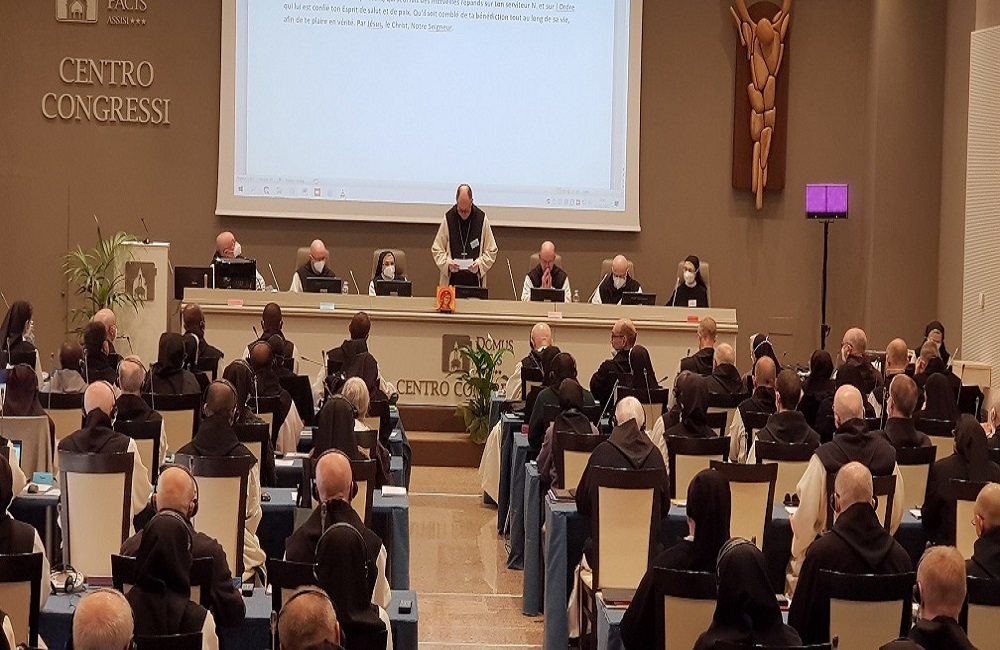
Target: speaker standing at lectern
{"points": [[464, 248]]}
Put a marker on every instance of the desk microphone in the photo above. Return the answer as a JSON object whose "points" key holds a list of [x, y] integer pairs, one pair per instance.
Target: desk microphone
{"points": [[677, 284], [129, 341], [513, 286], [664, 380], [613, 389], [358, 291], [273, 277], [598, 288], [316, 363], [146, 228]]}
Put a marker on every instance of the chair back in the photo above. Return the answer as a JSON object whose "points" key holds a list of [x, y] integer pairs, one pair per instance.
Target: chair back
{"points": [[718, 402], [552, 411], [300, 390], [572, 454], [705, 275], [209, 366], [36, 446], [285, 577], [180, 416], [984, 611], [190, 641], [379, 408], [941, 433], [364, 472], [255, 436], [884, 489], [301, 257], [367, 440], [867, 610], [530, 378], [718, 420], [606, 268], [399, 258], [65, 410], [688, 456], [965, 493], [626, 499], [791, 459], [685, 605], [125, 567], [96, 502], [222, 501], [265, 407], [147, 442], [752, 489], [533, 261], [20, 592], [654, 402], [914, 465]]}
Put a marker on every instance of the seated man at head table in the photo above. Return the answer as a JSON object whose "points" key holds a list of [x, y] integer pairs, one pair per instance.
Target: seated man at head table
{"points": [[130, 405], [68, 378], [177, 491], [546, 275], [216, 438], [464, 249], [227, 248], [317, 266], [628, 448], [615, 284], [702, 361], [788, 425], [761, 401], [193, 320], [335, 485], [308, 621], [857, 544], [271, 323], [99, 437], [851, 442]]}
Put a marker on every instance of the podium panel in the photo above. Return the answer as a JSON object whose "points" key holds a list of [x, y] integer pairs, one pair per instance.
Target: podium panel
{"points": [[146, 275]]}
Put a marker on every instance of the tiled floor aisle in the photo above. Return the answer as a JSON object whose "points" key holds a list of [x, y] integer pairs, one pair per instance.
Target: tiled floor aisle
{"points": [[467, 597]]}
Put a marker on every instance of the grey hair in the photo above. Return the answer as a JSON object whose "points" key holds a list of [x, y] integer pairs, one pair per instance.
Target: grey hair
{"points": [[630, 409], [103, 621]]}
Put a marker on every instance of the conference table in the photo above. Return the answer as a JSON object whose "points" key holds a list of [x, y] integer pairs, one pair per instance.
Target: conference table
{"points": [[56, 620], [566, 531], [417, 347]]}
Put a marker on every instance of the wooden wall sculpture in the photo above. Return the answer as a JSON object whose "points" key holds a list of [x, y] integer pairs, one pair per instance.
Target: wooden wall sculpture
{"points": [[759, 146]]}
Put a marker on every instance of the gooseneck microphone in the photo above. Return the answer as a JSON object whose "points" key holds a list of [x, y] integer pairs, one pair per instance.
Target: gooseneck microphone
{"points": [[597, 288], [146, 228], [513, 285], [358, 291]]}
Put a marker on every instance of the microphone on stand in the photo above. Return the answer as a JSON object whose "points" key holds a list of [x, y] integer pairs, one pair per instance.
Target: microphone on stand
{"points": [[273, 277], [146, 228], [513, 286], [358, 291], [129, 341], [598, 287], [613, 389], [4, 299], [315, 363], [677, 285]]}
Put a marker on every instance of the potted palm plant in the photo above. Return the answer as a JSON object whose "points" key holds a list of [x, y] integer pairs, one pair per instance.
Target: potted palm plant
{"points": [[98, 276], [482, 378]]}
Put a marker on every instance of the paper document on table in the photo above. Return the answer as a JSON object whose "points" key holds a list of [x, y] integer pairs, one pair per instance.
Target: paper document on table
{"points": [[464, 264]]}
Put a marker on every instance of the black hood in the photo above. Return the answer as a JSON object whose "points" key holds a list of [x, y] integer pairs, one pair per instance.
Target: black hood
{"points": [[860, 529], [633, 444], [729, 378], [789, 427], [853, 442], [987, 553], [170, 359], [902, 433]]}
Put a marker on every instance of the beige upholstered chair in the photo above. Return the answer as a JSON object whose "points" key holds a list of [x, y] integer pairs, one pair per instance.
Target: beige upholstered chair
{"points": [[914, 466], [606, 268], [866, 611], [965, 493], [752, 489], [727, 404], [572, 455], [147, 443], [654, 403], [254, 437], [984, 612], [941, 433], [124, 568], [36, 447], [533, 262], [364, 475], [705, 275], [66, 411], [791, 460], [96, 502], [20, 592], [301, 257], [222, 501], [688, 456], [400, 261], [180, 416], [688, 605]]}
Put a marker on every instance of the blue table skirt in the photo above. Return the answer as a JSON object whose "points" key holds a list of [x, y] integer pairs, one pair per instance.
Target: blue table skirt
{"points": [[518, 458], [509, 424], [255, 633]]}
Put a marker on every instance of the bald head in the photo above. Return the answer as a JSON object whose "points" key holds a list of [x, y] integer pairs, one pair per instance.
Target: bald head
{"points": [[131, 375], [847, 404], [103, 621], [110, 321], [541, 336], [547, 255], [619, 266], [99, 395], [220, 398], [853, 485], [317, 250], [988, 508], [70, 355], [896, 355], [630, 408], [764, 372], [175, 490], [463, 200], [225, 244], [855, 342], [271, 317], [334, 477], [724, 353]]}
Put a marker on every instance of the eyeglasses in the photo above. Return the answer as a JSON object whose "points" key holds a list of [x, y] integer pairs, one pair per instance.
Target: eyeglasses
{"points": [[616, 336]]}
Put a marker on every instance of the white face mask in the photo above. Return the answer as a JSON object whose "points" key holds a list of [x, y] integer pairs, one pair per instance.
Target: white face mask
{"points": [[319, 266], [389, 272], [29, 332], [618, 282], [237, 249], [689, 278]]}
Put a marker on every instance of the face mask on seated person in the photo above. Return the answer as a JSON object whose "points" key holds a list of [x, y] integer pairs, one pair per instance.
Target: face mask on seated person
{"points": [[618, 282], [689, 278], [389, 272], [237, 249], [318, 266]]}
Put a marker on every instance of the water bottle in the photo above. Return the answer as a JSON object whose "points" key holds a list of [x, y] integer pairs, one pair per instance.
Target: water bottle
{"points": [[576, 295]]}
